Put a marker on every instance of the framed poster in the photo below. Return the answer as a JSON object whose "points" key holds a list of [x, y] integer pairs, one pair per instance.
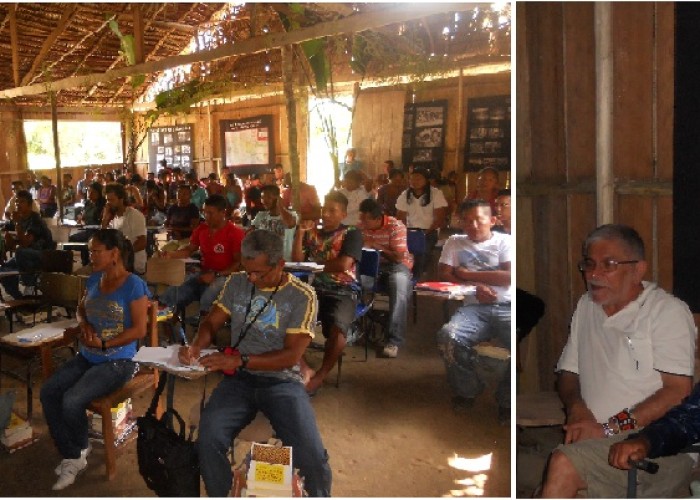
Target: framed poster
{"points": [[173, 144], [246, 144], [488, 133], [423, 141]]}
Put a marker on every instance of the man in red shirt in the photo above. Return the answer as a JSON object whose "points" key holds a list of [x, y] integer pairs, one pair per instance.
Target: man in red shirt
{"points": [[220, 243], [388, 235]]}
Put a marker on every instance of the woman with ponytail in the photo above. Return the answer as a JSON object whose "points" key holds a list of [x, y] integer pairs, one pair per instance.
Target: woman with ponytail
{"points": [[422, 207], [112, 317]]}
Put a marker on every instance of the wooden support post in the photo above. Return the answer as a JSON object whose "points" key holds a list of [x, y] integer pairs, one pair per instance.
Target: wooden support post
{"points": [[57, 154], [14, 42], [138, 32], [288, 79]]}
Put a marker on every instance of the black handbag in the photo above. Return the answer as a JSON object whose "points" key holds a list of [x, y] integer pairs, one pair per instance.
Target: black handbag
{"points": [[168, 461]]}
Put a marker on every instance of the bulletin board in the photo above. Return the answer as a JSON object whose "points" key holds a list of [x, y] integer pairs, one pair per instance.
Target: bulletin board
{"points": [[173, 144], [488, 133], [246, 144], [423, 142]]}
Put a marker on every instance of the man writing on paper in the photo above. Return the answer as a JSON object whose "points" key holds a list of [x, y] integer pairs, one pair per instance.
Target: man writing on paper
{"points": [[272, 316]]}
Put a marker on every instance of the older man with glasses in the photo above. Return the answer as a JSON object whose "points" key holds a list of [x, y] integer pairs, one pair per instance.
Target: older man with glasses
{"points": [[628, 360], [272, 317]]}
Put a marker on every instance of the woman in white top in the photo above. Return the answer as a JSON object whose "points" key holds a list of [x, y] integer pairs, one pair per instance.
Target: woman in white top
{"points": [[422, 207]]}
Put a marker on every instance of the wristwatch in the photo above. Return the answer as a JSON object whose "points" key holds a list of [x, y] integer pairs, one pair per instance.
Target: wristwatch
{"points": [[244, 360]]}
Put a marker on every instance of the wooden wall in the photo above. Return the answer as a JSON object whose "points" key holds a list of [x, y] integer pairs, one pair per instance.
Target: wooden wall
{"points": [[556, 153]]}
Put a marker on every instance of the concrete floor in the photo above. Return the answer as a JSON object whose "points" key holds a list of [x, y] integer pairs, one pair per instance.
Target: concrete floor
{"points": [[389, 430]]}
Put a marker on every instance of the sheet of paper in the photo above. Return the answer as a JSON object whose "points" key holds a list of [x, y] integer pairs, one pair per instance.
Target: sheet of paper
{"points": [[311, 266], [46, 331], [166, 358]]}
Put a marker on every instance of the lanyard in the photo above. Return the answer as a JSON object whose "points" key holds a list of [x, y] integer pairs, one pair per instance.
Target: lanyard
{"points": [[245, 328]]}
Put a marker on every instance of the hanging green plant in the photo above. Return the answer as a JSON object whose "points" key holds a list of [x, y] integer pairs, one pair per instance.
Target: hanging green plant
{"points": [[315, 51], [128, 52]]}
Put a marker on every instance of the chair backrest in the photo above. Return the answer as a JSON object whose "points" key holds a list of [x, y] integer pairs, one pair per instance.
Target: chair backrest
{"points": [[369, 269], [61, 289], [57, 261], [165, 271], [415, 241]]}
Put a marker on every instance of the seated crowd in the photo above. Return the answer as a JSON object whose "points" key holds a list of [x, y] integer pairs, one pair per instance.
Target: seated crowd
{"points": [[272, 313]]}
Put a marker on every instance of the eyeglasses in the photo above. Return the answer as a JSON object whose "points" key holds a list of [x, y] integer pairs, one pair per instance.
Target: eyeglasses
{"points": [[587, 265], [258, 275]]}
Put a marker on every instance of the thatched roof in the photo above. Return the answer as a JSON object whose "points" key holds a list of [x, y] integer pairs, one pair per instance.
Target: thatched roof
{"points": [[49, 42]]}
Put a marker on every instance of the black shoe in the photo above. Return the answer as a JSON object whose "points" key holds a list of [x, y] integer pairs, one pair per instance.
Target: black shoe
{"points": [[461, 404], [504, 416]]}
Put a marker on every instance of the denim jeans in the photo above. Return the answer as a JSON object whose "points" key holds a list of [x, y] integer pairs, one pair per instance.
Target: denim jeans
{"points": [[398, 278], [25, 259], [470, 325], [67, 393], [192, 290], [233, 405]]}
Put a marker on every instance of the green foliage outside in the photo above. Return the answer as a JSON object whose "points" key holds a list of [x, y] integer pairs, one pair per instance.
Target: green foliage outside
{"points": [[81, 143]]}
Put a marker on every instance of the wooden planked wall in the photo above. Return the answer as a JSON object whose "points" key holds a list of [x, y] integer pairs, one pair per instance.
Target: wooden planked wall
{"points": [[556, 154]]}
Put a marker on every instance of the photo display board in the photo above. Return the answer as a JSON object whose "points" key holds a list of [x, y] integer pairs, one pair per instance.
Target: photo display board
{"points": [[488, 133], [423, 142], [246, 144], [173, 144]]}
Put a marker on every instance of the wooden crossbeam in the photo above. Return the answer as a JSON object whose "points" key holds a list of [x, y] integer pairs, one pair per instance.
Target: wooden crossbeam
{"points": [[66, 17], [352, 24], [14, 42]]}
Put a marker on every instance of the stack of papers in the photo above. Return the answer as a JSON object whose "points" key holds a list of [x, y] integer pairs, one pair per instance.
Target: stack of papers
{"points": [[18, 432], [270, 472]]}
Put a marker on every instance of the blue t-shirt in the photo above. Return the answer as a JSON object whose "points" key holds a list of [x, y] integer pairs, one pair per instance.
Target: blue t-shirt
{"points": [[110, 314]]}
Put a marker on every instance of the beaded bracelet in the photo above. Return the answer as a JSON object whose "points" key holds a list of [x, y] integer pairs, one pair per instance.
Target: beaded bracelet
{"points": [[624, 420]]}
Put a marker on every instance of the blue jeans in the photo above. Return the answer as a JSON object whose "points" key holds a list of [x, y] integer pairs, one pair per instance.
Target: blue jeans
{"points": [[398, 278], [233, 405], [470, 325], [25, 260], [192, 290], [67, 393]]}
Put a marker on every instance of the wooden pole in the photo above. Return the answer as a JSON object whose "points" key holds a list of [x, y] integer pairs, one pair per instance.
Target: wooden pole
{"points": [[57, 155], [14, 42], [288, 78], [351, 24], [138, 32], [605, 183]]}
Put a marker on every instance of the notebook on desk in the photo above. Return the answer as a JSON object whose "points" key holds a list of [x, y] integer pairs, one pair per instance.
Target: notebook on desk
{"points": [[446, 288]]}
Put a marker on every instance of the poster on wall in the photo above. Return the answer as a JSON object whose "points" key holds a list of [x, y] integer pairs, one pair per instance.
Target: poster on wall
{"points": [[423, 140], [488, 133], [173, 144], [246, 144]]}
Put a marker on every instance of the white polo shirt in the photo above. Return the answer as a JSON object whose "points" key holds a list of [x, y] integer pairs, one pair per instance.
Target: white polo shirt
{"points": [[417, 215], [618, 358], [132, 224]]}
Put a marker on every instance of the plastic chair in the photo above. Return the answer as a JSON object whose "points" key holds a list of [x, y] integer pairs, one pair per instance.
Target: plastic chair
{"points": [[368, 271], [415, 241], [146, 379]]}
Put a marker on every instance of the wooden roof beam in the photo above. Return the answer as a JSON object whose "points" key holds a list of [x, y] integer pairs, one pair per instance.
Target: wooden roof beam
{"points": [[66, 17], [352, 24], [155, 48], [14, 42]]}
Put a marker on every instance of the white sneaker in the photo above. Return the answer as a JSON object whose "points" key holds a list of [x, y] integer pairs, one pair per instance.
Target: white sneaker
{"points": [[70, 468], [83, 454], [390, 351]]}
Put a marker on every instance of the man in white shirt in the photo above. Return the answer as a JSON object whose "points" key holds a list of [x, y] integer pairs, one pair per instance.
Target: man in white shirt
{"points": [[11, 206], [128, 220], [355, 192], [628, 360], [479, 257], [276, 218]]}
